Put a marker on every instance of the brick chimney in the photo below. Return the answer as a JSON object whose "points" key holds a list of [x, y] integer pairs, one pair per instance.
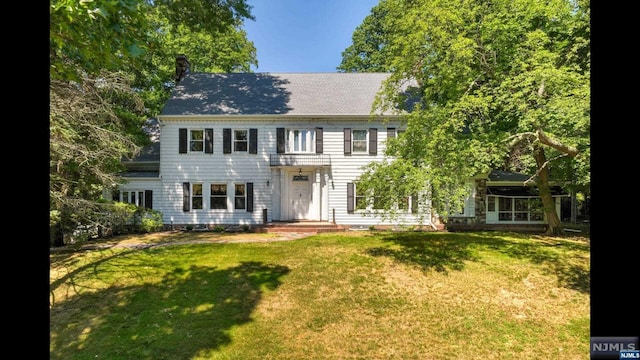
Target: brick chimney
{"points": [[182, 67]]}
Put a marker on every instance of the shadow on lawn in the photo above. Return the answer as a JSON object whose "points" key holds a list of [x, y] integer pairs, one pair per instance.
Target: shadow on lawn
{"points": [[191, 311], [448, 251]]}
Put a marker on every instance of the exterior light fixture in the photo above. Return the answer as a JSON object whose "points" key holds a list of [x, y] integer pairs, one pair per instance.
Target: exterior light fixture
{"points": [[300, 171]]}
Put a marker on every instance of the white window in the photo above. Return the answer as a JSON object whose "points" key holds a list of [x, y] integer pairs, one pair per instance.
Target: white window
{"points": [[196, 196], [299, 141], [196, 140], [133, 197], [520, 209], [219, 196], [240, 197], [359, 141], [240, 140], [361, 198]]}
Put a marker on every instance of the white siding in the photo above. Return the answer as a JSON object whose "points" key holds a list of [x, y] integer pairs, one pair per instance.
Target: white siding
{"points": [[329, 184], [142, 184]]}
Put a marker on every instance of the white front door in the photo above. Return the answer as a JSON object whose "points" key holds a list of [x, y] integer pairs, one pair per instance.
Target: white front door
{"points": [[300, 196]]}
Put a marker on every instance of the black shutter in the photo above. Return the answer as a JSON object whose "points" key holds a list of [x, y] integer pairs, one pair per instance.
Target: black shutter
{"points": [[249, 197], [115, 196], [347, 141], [319, 140], [186, 195], [208, 141], [280, 140], [350, 198], [391, 132], [148, 199], [182, 141], [226, 141], [253, 141], [373, 141]]}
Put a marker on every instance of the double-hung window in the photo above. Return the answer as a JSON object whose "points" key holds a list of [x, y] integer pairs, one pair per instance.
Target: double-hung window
{"points": [[240, 140], [240, 197], [196, 196], [360, 141], [219, 196], [196, 140]]}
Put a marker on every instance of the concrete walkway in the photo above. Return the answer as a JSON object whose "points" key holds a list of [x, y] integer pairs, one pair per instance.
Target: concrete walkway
{"points": [[199, 238]]}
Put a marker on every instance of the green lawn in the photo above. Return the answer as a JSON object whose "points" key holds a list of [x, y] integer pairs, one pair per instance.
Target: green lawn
{"points": [[353, 295]]}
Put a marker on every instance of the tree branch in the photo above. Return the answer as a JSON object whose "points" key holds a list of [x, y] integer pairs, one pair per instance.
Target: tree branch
{"points": [[566, 149]]}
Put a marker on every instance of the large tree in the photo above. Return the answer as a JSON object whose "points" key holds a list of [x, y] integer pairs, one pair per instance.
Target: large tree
{"points": [[111, 69], [369, 50], [503, 84]]}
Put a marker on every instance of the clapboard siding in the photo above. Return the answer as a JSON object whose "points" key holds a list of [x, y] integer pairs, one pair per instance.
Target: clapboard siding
{"points": [[177, 168], [217, 167]]}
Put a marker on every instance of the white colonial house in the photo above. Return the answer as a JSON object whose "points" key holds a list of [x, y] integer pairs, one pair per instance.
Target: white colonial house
{"points": [[257, 148], [254, 148]]}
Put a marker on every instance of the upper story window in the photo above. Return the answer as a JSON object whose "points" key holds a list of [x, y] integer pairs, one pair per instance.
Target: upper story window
{"points": [[240, 141], [196, 140], [360, 141], [299, 141]]}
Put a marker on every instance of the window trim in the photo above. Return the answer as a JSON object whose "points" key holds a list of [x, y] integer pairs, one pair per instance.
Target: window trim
{"points": [[212, 196], [370, 141]]}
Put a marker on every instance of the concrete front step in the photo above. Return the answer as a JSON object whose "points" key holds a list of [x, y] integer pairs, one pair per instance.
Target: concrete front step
{"points": [[307, 227]]}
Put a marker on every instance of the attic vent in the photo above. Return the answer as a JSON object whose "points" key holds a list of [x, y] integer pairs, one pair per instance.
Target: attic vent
{"points": [[182, 67]]}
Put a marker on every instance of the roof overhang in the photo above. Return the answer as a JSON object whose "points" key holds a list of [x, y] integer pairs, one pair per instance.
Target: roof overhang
{"points": [[278, 117]]}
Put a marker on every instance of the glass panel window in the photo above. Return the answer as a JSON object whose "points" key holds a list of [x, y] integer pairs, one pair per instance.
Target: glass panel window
{"points": [[218, 196], [414, 203], [196, 196], [505, 209], [299, 140], [359, 141], [491, 203], [404, 203], [361, 200], [240, 199], [521, 207], [196, 140], [240, 140], [535, 209]]}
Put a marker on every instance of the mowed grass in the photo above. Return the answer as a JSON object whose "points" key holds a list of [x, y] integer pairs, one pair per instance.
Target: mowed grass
{"points": [[353, 295]]}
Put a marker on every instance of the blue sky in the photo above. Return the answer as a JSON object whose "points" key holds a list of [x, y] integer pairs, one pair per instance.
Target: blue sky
{"points": [[303, 35]]}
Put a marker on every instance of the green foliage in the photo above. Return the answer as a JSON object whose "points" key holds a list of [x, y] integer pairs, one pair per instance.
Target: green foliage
{"points": [[368, 51], [497, 80], [112, 67]]}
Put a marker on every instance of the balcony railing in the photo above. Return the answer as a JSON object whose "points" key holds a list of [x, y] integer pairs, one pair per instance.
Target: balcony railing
{"points": [[299, 160]]}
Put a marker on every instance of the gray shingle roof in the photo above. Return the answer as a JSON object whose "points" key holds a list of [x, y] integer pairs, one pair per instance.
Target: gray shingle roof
{"points": [[275, 93]]}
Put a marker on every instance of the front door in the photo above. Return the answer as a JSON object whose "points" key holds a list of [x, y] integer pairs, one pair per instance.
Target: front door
{"points": [[300, 196]]}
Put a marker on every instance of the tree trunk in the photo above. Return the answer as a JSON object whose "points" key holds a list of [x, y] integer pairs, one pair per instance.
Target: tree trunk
{"points": [[553, 221]]}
